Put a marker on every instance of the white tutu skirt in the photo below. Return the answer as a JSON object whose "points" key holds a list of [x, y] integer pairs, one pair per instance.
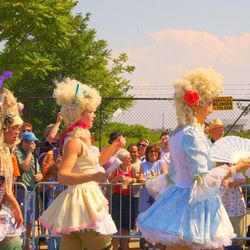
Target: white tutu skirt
{"points": [[78, 208], [7, 224], [173, 219]]}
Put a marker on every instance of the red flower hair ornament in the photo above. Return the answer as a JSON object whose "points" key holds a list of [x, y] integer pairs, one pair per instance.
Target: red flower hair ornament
{"points": [[191, 97]]}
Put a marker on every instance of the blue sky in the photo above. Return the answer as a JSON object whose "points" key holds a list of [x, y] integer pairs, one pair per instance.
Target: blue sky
{"points": [[124, 23], [165, 38]]}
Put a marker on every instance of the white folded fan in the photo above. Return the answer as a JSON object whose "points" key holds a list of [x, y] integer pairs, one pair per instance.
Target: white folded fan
{"points": [[230, 149]]}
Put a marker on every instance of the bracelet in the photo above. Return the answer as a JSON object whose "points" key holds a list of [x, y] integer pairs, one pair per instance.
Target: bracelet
{"points": [[233, 170]]}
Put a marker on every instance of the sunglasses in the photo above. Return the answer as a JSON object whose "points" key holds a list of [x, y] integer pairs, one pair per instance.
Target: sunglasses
{"points": [[142, 145], [153, 151], [26, 130]]}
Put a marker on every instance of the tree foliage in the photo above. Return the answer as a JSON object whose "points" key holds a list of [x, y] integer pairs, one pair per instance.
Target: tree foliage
{"points": [[245, 108], [42, 42], [132, 133]]}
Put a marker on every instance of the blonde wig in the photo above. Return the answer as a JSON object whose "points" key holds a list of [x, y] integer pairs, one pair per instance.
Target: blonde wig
{"points": [[206, 82], [9, 113], [9, 117], [74, 98]]}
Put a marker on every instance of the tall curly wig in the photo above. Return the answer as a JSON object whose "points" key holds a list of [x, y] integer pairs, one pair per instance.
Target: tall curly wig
{"points": [[74, 98], [205, 81], [9, 116], [9, 112]]}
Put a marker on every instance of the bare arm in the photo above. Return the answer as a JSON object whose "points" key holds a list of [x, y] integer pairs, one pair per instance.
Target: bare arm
{"points": [[26, 163], [119, 179], [241, 165], [111, 150], [113, 177], [134, 174], [54, 130], [141, 174], [72, 150], [234, 183], [15, 208], [164, 168]]}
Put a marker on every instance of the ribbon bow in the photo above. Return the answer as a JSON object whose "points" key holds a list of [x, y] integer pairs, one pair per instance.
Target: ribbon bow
{"points": [[198, 179]]}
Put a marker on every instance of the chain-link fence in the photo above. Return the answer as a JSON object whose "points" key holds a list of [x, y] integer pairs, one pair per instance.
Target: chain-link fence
{"points": [[155, 114]]}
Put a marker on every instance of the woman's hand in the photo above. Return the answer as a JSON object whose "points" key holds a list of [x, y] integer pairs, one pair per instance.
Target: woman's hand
{"points": [[18, 216], [128, 180], [227, 183], [119, 142], [38, 176], [243, 164], [100, 177]]}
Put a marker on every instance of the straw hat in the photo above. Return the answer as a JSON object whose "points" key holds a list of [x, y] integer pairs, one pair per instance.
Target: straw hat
{"points": [[216, 123]]}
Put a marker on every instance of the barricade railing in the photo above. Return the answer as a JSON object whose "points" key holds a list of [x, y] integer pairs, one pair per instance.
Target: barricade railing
{"points": [[23, 206], [245, 190], [43, 189], [108, 191], [106, 188]]}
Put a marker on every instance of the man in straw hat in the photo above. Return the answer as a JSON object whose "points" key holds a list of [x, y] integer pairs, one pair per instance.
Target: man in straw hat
{"points": [[216, 129]]}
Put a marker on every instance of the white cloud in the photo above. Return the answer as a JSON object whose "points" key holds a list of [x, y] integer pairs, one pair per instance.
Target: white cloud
{"points": [[171, 52]]}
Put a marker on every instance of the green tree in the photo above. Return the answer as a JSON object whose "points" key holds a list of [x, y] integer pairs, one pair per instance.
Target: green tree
{"points": [[42, 42], [133, 133], [245, 108]]}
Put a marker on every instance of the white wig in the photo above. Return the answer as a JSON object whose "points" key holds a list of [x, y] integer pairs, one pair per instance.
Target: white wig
{"points": [[122, 154], [74, 98], [206, 82]]}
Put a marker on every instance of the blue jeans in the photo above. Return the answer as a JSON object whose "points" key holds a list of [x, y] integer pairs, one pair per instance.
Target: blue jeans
{"points": [[233, 247], [53, 243]]}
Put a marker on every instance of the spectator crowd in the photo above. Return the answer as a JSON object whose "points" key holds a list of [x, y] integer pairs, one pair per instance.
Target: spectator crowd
{"points": [[129, 169]]}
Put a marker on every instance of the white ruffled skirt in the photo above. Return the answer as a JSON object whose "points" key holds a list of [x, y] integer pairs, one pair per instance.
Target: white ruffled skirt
{"points": [[192, 216], [7, 224], [78, 208]]}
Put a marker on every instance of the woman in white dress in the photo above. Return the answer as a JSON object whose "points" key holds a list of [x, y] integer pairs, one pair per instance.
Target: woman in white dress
{"points": [[80, 213]]}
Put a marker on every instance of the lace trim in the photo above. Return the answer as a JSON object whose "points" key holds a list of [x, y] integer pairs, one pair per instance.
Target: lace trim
{"points": [[196, 243], [6, 167]]}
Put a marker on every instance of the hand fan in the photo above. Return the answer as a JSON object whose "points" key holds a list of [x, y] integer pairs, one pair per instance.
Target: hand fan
{"points": [[230, 149]]}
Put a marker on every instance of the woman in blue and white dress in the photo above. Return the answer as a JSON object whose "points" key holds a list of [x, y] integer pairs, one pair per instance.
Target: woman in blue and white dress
{"points": [[189, 214]]}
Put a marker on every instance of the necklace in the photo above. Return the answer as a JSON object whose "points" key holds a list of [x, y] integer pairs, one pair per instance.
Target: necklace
{"points": [[123, 172]]}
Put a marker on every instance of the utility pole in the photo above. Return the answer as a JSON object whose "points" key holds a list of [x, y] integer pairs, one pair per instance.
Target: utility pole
{"points": [[163, 121]]}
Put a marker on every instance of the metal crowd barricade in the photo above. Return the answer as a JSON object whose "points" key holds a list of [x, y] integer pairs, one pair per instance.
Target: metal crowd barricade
{"points": [[246, 193], [108, 191], [40, 232], [37, 230], [23, 206]]}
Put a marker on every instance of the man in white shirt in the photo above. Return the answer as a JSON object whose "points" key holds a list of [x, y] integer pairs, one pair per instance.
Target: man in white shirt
{"points": [[165, 155]]}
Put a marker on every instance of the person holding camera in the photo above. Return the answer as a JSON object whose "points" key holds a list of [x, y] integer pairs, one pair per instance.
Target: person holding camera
{"points": [[30, 174]]}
